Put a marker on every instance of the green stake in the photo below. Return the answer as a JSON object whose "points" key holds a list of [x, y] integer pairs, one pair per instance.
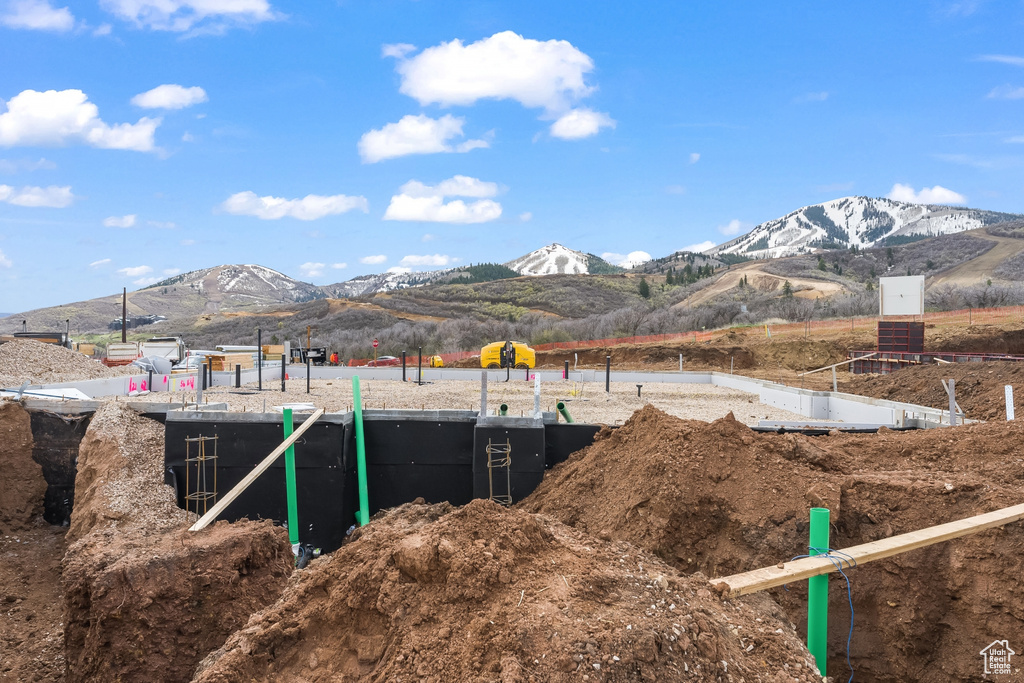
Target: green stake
{"points": [[289, 478], [817, 592], [363, 515]]}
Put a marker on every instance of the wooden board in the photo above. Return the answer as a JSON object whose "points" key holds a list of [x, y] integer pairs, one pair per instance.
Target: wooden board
{"points": [[213, 512], [798, 570], [228, 361]]}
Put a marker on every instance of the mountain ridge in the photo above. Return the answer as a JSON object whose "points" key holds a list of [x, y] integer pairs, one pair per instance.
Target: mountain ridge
{"points": [[854, 221]]}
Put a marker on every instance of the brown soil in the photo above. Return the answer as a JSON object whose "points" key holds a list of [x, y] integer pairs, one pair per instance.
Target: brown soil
{"points": [[141, 593], [31, 640], [721, 499], [21, 495], [979, 387], [482, 593]]}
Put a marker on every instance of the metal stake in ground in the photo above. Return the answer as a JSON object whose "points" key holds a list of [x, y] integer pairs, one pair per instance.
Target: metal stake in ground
{"points": [[238, 375], [403, 366], [283, 365], [307, 373], [565, 374], [259, 356], [289, 479], [419, 365], [607, 374]]}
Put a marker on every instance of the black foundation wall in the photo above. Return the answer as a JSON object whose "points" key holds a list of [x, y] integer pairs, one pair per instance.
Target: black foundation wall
{"points": [[429, 455], [57, 438]]}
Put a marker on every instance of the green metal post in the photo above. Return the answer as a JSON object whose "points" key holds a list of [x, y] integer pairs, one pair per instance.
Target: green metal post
{"points": [[363, 515], [817, 592], [289, 478], [560, 406], [503, 410]]}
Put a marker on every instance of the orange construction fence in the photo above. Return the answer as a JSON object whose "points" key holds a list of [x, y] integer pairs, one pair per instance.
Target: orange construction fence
{"points": [[966, 316]]}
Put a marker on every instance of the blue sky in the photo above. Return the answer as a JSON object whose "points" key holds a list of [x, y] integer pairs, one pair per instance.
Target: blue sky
{"points": [[142, 138]]}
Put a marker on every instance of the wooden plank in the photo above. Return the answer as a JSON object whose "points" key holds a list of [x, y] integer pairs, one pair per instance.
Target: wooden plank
{"points": [[835, 365], [213, 512], [798, 570]]}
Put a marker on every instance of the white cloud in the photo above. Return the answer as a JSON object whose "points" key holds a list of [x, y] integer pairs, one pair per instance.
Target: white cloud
{"points": [[103, 30], [526, 216], [811, 97], [400, 270], [927, 195], [545, 74], [18, 165], [135, 271], [428, 238], [426, 260], [419, 202], [694, 157], [171, 271], [676, 189], [312, 270], [187, 137], [56, 118], [415, 135], [580, 123], [699, 247], [206, 16], [52, 197], [37, 15], [145, 281], [4, 261], [187, 243], [456, 186], [339, 266], [170, 96], [630, 260], [1007, 92], [309, 208], [163, 225], [397, 50], [101, 262], [733, 227], [1015, 139], [1003, 59], [373, 260], [120, 221]]}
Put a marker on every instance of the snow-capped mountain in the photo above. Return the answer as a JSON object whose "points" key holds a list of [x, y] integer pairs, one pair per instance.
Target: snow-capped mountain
{"points": [[551, 260], [383, 282], [242, 284], [854, 221]]}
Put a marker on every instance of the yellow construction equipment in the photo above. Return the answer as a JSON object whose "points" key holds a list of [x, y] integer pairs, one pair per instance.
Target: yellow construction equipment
{"points": [[506, 354]]}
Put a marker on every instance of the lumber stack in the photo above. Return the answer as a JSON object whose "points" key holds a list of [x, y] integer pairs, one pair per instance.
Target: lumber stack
{"points": [[228, 361]]}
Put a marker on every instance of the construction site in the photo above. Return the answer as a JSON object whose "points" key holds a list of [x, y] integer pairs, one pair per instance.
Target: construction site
{"points": [[704, 510]]}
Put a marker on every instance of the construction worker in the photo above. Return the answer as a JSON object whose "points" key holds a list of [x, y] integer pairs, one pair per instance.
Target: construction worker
{"points": [[334, 358]]}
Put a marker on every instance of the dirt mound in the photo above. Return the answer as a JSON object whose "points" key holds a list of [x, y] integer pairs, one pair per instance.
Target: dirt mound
{"points": [[141, 593], [481, 593], [721, 498], [30, 550], [27, 360], [21, 495], [979, 386]]}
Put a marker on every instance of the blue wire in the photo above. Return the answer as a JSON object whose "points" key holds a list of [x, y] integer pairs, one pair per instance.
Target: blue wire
{"points": [[837, 558]]}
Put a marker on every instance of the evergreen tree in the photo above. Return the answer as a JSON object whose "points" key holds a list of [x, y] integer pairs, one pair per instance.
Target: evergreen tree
{"points": [[644, 288], [821, 264], [787, 289]]}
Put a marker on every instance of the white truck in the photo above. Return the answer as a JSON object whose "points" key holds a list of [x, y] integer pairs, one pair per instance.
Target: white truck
{"points": [[121, 353], [171, 348]]}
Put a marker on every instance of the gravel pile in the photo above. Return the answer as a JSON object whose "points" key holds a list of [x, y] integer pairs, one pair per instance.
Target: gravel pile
{"points": [[27, 360], [586, 403]]}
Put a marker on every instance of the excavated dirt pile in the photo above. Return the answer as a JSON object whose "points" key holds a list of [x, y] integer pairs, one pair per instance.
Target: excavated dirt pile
{"points": [[21, 495], [721, 498], [979, 386], [27, 360], [145, 599], [31, 642], [482, 593]]}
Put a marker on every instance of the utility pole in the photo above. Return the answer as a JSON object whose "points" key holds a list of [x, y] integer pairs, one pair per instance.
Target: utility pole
{"points": [[124, 315]]}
